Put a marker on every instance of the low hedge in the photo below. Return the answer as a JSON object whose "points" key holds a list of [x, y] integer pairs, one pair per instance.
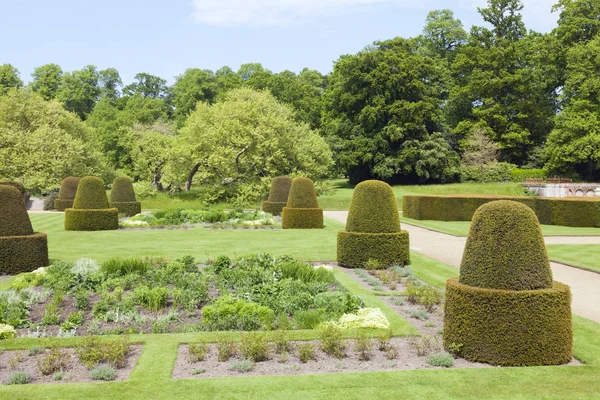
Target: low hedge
{"points": [[23, 253], [505, 249], [354, 249], [272, 207], [302, 218], [62, 205], [129, 208], [452, 208], [91, 220], [576, 212], [509, 328]]}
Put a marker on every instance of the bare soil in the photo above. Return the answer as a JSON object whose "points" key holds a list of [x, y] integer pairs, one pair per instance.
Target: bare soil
{"points": [[20, 360]]}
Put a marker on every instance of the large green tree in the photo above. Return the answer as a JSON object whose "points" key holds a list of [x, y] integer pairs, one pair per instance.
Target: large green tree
{"points": [[41, 143], [383, 115], [147, 85], [79, 90], [46, 80], [193, 86], [9, 78]]}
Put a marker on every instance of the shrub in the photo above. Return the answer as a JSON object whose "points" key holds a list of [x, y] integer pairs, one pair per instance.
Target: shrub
{"points": [[229, 314], [91, 351], [57, 359], [124, 266], [355, 249], [122, 197], [278, 195], [66, 193], [242, 366], [90, 210], [72, 321], [82, 301], [302, 209], [7, 332], [49, 201], [153, 299], [364, 318], [363, 345], [226, 349], [90, 194], [197, 352], [442, 359], [338, 302], [254, 346], [306, 352], [332, 342], [515, 259], [21, 250], [383, 340], [103, 373], [521, 175], [198, 371], [307, 319], [575, 212], [18, 378], [298, 270]]}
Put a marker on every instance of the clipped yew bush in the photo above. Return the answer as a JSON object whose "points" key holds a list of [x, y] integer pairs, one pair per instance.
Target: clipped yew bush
{"points": [[21, 249], [278, 195], [66, 193], [373, 228], [302, 210], [19, 186], [505, 309], [91, 210], [122, 197]]}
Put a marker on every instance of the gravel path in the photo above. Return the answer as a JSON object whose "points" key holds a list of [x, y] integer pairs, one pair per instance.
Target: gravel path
{"points": [[585, 285]]}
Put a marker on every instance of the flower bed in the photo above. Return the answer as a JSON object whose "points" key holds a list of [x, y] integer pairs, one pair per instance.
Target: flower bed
{"points": [[234, 219]]}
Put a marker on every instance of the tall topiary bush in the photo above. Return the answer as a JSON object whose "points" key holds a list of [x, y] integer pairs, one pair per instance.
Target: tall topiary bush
{"points": [[302, 210], [373, 228], [122, 197], [21, 249], [90, 210], [66, 193], [505, 309], [278, 195]]}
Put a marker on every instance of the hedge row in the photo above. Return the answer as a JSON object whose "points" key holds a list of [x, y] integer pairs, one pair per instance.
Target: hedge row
{"points": [[129, 208], [91, 220], [505, 249], [354, 249], [509, 328], [23, 253], [575, 212], [302, 218]]}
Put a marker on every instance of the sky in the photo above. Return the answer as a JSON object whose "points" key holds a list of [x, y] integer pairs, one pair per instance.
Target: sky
{"points": [[165, 38]]}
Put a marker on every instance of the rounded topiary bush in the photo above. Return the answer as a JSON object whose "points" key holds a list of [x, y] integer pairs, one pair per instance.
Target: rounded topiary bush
{"points": [[504, 309], [505, 249], [21, 249], [302, 210], [66, 193], [373, 228], [90, 210], [122, 197], [278, 195]]}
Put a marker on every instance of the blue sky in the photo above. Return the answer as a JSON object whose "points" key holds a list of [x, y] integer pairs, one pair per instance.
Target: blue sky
{"points": [[166, 37]]}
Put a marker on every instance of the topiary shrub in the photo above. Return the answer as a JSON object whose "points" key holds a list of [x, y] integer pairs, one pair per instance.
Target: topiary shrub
{"points": [[504, 309], [20, 187], [66, 193], [373, 228], [21, 249], [122, 197], [302, 210], [278, 195], [90, 210]]}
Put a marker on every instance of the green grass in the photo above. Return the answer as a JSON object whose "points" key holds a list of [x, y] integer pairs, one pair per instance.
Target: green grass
{"points": [[586, 256], [461, 228], [309, 244]]}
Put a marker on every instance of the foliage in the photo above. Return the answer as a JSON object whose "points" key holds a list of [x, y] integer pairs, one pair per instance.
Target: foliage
{"points": [[229, 314], [306, 352], [125, 266], [242, 366], [91, 220], [18, 378], [66, 194], [54, 359], [153, 299], [197, 352], [122, 197], [9, 78], [575, 212], [278, 195], [226, 349], [103, 373], [364, 318], [441, 360], [363, 345], [331, 341], [355, 249], [91, 351], [480, 151], [7, 332], [254, 346]]}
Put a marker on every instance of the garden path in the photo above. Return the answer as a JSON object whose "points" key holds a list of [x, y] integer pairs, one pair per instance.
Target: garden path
{"points": [[585, 285]]}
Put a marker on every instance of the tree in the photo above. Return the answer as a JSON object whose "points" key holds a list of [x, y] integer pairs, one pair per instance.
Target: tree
{"points": [[480, 151], [79, 90], [46, 80], [227, 79], [383, 114], [9, 78], [249, 135], [110, 82], [193, 86], [42, 143], [247, 70], [147, 85], [443, 33], [574, 144], [150, 150]]}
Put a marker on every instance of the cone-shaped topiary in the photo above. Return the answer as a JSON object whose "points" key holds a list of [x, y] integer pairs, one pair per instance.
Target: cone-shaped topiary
{"points": [[302, 210], [21, 249], [505, 309], [122, 197], [505, 249], [373, 228], [90, 210], [66, 193], [278, 195]]}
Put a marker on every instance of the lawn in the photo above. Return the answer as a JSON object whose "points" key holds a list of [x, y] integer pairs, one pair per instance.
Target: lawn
{"points": [[310, 245], [461, 228], [586, 256]]}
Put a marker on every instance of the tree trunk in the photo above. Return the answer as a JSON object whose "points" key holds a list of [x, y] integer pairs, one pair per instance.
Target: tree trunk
{"points": [[482, 174], [156, 180], [188, 182]]}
